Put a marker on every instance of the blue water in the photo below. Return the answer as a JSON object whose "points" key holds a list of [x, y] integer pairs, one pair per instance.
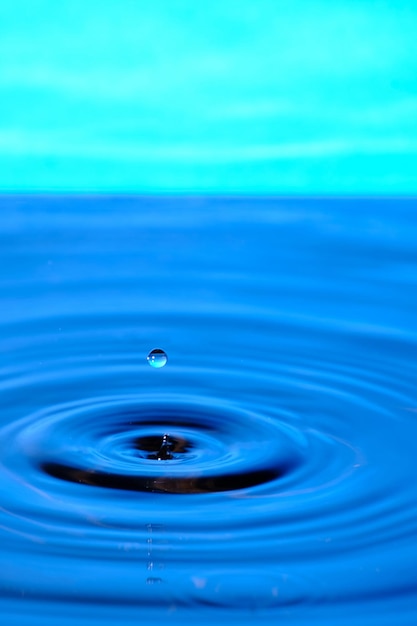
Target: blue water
{"points": [[266, 474]]}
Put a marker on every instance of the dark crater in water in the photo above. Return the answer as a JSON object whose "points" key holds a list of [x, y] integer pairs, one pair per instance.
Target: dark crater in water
{"points": [[162, 448], [164, 483]]}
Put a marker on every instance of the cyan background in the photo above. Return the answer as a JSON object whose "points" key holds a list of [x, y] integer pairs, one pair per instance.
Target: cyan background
{"points": [[226, 96]]}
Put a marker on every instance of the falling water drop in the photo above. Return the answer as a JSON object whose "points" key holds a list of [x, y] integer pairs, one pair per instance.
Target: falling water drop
{"points": [[157, 358]]}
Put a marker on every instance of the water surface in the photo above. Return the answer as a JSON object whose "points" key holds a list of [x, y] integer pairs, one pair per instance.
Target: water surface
{"points": [[265, 474]]}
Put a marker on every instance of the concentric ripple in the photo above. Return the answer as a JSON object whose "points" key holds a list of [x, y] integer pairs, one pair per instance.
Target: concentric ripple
{"points": [[264, 475], [99, 445]]}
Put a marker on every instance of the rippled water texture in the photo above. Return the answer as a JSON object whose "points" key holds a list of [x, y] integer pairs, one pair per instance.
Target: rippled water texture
{"points": [[266, 474]]}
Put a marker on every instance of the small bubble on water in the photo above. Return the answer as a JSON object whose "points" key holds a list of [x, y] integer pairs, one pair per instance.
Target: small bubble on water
{"points": [[157, 358]]}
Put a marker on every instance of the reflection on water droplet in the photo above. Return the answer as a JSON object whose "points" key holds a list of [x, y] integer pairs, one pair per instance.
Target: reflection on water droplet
{"points": [[157, 358]]}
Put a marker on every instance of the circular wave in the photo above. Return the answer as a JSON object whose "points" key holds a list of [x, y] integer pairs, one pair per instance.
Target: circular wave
{"points": [[264, 473], [189, 448]]}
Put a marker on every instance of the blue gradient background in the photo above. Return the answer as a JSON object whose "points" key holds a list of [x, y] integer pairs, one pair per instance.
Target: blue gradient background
{"points": [[228, 96]]}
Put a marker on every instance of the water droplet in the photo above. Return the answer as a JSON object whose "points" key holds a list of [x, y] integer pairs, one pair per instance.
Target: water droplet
{"points": [[164, 452], [157, 358]]}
